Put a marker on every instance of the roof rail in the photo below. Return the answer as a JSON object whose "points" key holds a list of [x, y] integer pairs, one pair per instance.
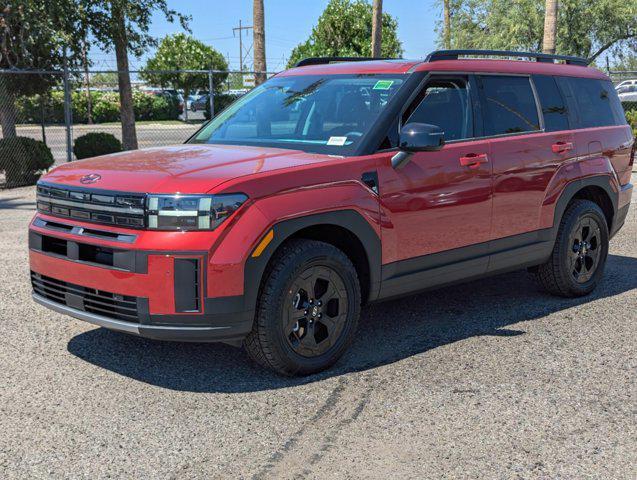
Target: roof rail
{"points": [[539, 57], [325, 60]]}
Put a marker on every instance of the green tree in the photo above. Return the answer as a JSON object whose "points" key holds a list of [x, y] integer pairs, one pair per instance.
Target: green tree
{"points": [[104, 79], [625, 62], [182, 52], [584, 28], [345, 29], [123, 26], [32, 36]]}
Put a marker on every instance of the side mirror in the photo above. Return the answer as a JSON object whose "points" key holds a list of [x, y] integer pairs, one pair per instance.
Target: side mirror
{"points": [[417, 137]]}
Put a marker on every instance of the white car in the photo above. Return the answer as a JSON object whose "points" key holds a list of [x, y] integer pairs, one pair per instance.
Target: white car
{"points": [[627, 93], [625, 83]]}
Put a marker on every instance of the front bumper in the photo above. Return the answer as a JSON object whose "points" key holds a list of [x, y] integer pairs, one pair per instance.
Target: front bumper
{"points": [[231, 333], [162, 295]]}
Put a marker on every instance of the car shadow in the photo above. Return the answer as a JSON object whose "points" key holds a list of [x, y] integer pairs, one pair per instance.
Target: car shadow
{"points": [[388, 332], [16, 204]]}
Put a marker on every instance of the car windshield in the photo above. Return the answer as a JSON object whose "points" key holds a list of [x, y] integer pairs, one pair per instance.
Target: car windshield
{"points": [[322, 114]]}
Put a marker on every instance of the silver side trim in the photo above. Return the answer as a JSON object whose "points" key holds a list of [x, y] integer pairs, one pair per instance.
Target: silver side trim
{"points": [[112, 324], [106, 322]]}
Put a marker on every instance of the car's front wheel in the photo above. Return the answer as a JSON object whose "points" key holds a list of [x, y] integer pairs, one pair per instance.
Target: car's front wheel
{"points": [[579, 255], [308, 309]]}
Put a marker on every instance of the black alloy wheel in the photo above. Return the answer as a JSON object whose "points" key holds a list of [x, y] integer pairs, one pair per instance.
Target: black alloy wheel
{"points": [[317, 310], [308, 309], [586, 249]]}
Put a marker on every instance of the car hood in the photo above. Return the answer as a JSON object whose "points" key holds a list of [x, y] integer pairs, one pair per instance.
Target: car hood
{"points": [[178, 169]]}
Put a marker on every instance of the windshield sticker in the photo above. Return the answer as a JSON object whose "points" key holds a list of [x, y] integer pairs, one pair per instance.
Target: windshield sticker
{"points": [[383, 85], [337, 141]]}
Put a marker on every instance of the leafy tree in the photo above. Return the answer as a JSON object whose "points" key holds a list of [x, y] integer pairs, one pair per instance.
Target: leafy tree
{"points": [[585, 28], [182, 52], [108, 79], [625, 62], [345, 29], [123, 26], [32, 36]]}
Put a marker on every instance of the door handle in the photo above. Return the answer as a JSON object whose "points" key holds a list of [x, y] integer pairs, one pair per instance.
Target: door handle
{"points": [[561, 147], [473, 160]]}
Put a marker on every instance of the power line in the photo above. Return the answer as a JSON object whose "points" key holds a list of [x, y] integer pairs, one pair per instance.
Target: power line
{"points": [[241, 28]]}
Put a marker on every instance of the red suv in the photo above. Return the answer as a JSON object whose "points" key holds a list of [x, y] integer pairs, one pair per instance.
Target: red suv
{"points": [[335, 184]]}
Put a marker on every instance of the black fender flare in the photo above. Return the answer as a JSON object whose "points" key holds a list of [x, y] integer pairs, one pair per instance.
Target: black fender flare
{"points": [[350, 220], [602, 181]]}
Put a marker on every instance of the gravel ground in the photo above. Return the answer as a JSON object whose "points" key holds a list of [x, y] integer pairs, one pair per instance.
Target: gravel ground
{"points": [[492, 379]]}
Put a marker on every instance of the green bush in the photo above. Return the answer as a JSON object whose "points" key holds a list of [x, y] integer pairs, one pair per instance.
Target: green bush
{"points": [[629, 106], [631, 116], [23, 160], [105, 107], [96, 144], [221, 102]]}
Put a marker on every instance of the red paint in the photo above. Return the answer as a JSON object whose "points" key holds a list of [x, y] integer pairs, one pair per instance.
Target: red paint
{"points": [[434, 203], [467, 193]]}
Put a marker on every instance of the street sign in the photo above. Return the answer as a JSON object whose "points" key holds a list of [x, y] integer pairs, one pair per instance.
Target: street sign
{"points": [[248, 80]]}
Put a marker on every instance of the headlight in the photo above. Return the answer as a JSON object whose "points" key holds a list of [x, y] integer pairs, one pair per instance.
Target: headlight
{"points": [[191, 212]]}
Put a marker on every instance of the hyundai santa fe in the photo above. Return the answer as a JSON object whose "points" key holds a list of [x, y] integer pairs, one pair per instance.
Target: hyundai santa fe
{"points": [[335, 184]]}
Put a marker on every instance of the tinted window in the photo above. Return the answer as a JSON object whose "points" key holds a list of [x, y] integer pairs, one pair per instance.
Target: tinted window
{"points": [[597, 102], [553, 105], [509, 105], [324, 114], [444, 103]]}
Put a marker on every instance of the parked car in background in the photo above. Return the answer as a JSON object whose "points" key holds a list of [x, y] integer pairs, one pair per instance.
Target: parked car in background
{"points": [[336, 184], [169, 93], [200, 103], [626, 83], [627, 93]]}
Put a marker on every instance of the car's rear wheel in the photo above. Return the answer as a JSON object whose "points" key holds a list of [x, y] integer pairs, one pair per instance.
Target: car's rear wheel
{"points": [[307, 311], [579, 255]]}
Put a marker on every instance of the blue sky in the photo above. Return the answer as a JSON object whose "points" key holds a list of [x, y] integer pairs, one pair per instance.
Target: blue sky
{"points": [[288, 23]]}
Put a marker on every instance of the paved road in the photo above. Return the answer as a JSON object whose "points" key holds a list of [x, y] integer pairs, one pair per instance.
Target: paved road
{"points": [[488, 380]]}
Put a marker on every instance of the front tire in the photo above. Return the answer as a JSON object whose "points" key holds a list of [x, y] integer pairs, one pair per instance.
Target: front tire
{"points": [[579, 255], [307, 311]]}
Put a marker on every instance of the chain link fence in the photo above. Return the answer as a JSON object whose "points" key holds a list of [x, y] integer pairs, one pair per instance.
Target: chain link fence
{"points": [[43, 113]]}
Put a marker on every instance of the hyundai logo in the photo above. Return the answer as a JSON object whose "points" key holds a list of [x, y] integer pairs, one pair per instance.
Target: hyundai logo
{"points": [[90, 178]]}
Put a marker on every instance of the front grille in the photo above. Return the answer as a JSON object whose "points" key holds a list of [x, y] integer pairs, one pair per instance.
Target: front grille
{"points": [[99, 302], [96, 206]]}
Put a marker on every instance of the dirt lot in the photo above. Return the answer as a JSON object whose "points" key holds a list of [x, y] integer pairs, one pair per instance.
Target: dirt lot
{"points": [[492, 379]]}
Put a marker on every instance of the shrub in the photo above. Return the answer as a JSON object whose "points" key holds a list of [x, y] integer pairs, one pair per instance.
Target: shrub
{"points": [[96, 144], [23, 160], [105, 107], [221, 102], [631, 116]]}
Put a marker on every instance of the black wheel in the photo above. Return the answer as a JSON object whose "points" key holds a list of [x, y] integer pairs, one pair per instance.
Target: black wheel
{"points": [[307, 311], [580, 251]]}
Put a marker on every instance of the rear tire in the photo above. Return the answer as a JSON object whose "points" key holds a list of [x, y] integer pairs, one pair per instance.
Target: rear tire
{"points": [[308, 309], [579, 255]]}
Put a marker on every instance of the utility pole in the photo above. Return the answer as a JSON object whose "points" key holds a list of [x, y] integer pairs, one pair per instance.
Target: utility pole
{"points": [[446, 13], [240, 29], [258, 42], [550, 27], [377, 27]]}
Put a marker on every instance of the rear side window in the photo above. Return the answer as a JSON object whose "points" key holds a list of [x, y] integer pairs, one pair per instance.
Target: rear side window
{"points": [[553, 105], [596, 102], [509, 105]]}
